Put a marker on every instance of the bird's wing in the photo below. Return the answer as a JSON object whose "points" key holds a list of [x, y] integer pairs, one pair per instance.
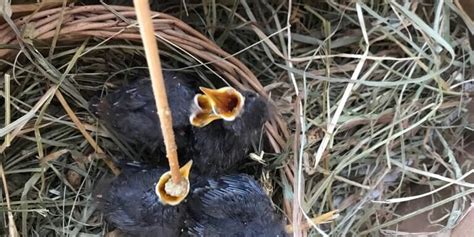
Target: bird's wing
{"points": [[127, 200], [131, 111], [228, 195]]}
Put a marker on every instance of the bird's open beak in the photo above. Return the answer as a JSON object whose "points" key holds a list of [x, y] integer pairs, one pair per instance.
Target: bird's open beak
{"points": [[203, 102], [204, 114], [168, 199], [226, 102]]}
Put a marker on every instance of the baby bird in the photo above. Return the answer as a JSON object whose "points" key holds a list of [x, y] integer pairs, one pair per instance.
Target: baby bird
{"points": [[215, 129], [130, 203], [130, 112], [232, 205], [223, 144]]}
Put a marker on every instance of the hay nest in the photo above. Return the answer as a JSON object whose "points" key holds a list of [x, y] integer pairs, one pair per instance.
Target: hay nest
{"points": [[92, 45], [375, 98]]}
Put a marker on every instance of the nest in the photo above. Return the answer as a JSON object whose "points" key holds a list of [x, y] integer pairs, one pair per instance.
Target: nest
{"points": [[75, 33], [373, 147]]}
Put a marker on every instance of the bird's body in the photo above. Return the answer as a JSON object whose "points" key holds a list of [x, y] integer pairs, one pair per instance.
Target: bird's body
{"points": [[223, 145], [129, 203], [130, 113], [229, 205], [232, 205], [218, 147]]}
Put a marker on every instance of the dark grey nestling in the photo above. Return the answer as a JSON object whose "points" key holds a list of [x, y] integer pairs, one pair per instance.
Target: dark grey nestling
{"points": [[232, 205]]}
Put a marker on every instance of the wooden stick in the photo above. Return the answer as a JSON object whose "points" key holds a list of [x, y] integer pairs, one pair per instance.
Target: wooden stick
{"points": [[147, 32]]}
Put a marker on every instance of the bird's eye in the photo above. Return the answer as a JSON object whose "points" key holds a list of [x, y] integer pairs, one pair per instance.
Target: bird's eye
{"points": [[252, 95]]}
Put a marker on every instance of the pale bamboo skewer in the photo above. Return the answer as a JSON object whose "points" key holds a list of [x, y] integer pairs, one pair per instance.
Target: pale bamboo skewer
{"points": [[142, 9]]}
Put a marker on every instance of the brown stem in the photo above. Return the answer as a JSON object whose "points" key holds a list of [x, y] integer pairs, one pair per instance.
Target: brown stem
{"points": [[324, 218], [11, 220], [84, 132], [147, 32]]}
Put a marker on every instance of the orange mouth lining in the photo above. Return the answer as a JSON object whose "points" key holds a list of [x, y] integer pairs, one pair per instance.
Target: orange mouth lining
{"points": [[226, 102]]}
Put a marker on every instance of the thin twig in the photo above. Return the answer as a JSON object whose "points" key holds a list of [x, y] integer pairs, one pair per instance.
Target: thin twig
{"points": [[16, 126], [86, 135], [11, 221], [324, 218], [6, 77], [347, 92]]}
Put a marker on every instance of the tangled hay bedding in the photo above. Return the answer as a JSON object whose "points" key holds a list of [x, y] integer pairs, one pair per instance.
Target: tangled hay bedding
{"points": [[363, 148]]}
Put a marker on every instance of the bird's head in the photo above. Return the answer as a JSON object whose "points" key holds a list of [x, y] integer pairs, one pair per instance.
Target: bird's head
{"points": [[251, 116], [176, 198], [226, 102], [239, 110]]}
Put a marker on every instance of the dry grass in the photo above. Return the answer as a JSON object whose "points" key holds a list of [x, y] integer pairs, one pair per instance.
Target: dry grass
{"points": [[374, 96]]}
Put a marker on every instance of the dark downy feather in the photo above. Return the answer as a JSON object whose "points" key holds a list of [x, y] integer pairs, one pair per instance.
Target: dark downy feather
{"points": [[130, 204], [233, 205], [223, 145], [216, 148], [130, 113]]}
